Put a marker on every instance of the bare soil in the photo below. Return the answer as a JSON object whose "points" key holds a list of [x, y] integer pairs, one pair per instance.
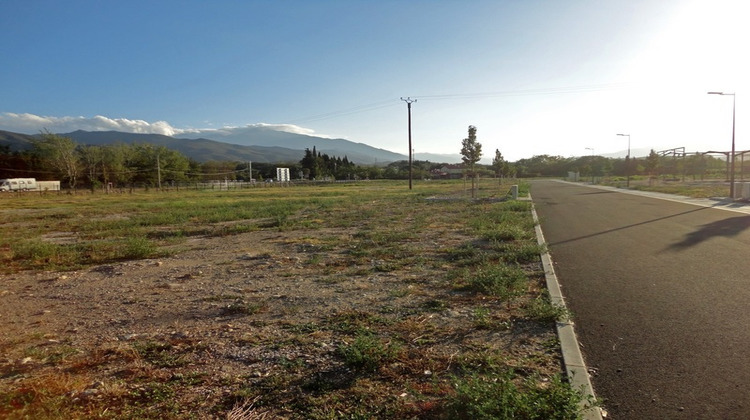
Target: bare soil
{"points": [[259, 320]]}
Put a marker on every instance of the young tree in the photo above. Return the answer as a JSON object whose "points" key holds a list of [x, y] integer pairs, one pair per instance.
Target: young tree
{"points": [[652, 163], [471, 152], [499, 165]]}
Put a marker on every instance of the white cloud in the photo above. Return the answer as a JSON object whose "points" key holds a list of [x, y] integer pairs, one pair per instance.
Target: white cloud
{"points": [[33, 124], [231, 130]]}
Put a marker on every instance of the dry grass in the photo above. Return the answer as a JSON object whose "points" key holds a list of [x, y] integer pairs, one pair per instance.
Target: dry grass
{"points": [[364, 301]]}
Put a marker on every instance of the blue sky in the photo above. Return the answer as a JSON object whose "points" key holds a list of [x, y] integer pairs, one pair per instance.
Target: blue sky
{"points": [[558, 77]]}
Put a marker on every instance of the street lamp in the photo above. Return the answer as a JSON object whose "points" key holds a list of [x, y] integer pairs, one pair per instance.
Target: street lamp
{"points": [[731, 164], [627, 159]]}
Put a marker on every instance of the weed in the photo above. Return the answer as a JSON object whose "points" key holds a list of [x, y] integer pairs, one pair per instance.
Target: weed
{"points": [[519, 252], [368, 352], [137, 247], [240, 307], [542, 309], [54, 355], [397, 293], [159, 354], [331, 280], [468, 255], [436, 305], [315, 259], [505, 397], [354, 321], [505, 282], [481, 318]]}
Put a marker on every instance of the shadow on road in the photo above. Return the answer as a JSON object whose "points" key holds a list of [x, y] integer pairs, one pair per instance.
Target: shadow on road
{"points": [[726, 227], [626, 227]]}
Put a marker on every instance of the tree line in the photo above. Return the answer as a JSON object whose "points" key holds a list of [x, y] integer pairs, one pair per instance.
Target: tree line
{"points": [[90, 166], [55, 157], [695, 166]]}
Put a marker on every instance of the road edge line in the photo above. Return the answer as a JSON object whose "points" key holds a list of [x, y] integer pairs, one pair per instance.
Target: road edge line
{"points": [[575, 366]]}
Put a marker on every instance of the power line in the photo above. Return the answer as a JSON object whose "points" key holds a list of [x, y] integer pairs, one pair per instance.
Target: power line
{"points": [[526, 92], [348, 111], [457, 96]]}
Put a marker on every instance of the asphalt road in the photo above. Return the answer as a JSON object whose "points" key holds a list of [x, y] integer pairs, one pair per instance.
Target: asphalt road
{"points": [[660, 296]]}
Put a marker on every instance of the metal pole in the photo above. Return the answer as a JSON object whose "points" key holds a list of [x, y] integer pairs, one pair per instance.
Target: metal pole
{"points": [[731, 160], [630, 163], [731, 178]]}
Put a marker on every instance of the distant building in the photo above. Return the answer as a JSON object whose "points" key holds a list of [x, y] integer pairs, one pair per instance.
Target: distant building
{"points": [[454, 171]]}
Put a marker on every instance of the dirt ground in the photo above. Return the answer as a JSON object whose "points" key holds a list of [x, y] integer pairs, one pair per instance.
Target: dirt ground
{"points": [[259, 319]]}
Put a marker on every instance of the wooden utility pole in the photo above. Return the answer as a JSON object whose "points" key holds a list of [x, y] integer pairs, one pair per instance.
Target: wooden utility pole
{"points": [[409, 101]]}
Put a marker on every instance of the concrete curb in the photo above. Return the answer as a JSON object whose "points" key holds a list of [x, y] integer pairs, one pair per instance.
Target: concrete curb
{"points": [[575, 367]]}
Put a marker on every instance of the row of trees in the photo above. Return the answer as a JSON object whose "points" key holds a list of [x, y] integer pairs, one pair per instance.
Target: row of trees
{"points": [[122, 165], [696, 166], [315, 165], [57, 157]]}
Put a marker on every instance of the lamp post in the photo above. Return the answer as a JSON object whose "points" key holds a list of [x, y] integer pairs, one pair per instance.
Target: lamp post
{"points": [[627, 159], [731, 161]]}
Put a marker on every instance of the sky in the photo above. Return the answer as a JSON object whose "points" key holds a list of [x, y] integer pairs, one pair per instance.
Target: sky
{"points": [[556, 77]]}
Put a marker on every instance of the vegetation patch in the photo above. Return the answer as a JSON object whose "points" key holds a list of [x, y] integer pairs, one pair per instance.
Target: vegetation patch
{"points": [[325, 301]]}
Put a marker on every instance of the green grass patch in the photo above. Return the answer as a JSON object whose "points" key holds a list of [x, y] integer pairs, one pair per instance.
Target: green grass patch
{"points": [[502, 281], [368, 352], [506, 396]]}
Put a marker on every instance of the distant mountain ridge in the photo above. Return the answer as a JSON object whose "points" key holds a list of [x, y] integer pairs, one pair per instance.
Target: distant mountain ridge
{"points": [[261, 145], [269, 137]]}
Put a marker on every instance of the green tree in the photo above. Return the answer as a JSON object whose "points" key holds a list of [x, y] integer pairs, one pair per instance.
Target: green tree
{"points": [[652, 163], [93, 161], [311, 164], [60, 154], [152, 165], [499, 165], [220, 170], [471, 152], [115, 161]]}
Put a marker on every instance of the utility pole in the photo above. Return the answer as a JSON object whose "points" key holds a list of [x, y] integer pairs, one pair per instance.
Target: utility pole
{"points": [[409, 101], [158, 171]]}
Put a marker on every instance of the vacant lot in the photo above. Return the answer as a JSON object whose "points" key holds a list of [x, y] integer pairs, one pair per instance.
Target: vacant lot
{"points": [[318, 302]]}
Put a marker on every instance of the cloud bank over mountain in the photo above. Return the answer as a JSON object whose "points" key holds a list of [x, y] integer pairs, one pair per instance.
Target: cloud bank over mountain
{"points": [[34, 124]]}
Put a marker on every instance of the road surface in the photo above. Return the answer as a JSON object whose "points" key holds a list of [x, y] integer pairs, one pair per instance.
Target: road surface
{"points": [[660, 296]]}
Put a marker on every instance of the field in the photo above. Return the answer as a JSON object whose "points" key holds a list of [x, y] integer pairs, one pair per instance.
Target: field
{"points": [[338, 301]]}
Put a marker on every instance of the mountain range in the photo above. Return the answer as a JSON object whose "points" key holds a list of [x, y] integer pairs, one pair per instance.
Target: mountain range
{"points": [[257, 144]]}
